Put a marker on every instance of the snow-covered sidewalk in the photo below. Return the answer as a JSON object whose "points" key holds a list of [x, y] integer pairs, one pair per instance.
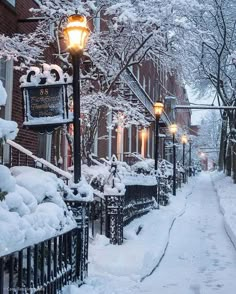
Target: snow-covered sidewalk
{"points": [[199, 258], [119, 269]]}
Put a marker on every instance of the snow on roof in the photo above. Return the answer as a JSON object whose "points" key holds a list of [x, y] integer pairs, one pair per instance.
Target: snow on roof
{"points": [[31, 208]]}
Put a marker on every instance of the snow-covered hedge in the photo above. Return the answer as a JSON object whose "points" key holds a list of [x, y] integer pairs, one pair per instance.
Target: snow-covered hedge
{"points": [[31, 208]]}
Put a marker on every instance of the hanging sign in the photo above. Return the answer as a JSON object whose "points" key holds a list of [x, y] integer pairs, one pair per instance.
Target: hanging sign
{"points": [[45, 104]]}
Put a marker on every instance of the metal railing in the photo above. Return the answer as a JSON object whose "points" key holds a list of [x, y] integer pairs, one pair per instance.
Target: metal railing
{"points": [[138, 200], [97, 218], [44, 267], [24, 157]]}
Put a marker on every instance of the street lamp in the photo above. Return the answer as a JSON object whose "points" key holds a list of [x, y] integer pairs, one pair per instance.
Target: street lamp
{"points": [[173, 129], [76, 33], [184, 140], [158, 109], [190, 156]]}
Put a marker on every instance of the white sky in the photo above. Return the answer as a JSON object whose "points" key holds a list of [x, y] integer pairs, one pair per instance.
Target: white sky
{"points": [[197, 114]]}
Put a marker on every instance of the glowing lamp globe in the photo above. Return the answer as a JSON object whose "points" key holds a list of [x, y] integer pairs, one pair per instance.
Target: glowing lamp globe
{"points": [[184, 139], [158, 108], [173, 129], [76, 33]]}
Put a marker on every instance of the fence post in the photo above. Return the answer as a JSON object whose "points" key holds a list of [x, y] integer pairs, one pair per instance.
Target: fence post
{"points": [[114, 218], [80, 212]]}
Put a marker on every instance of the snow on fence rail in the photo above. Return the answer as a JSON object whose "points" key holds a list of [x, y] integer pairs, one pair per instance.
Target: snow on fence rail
{"points": [[40, 160]]}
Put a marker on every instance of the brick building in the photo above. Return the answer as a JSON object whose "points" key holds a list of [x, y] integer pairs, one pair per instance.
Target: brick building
{"points": [[146, 84], [13, 15]]}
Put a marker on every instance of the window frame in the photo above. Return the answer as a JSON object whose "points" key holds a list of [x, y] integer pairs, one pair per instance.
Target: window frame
{"points": [[9, 2]]}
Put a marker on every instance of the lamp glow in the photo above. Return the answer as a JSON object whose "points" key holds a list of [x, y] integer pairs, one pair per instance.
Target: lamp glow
{"points": [[173, 129], [184, 139], [76, 32], [158, 108]]}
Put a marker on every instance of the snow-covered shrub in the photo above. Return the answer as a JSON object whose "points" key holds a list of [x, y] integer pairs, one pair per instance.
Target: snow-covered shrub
{"points": [[145, 166], [96, 175], [32, 209]]}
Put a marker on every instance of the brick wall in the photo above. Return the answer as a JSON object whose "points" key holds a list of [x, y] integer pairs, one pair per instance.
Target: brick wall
{"points": [[11, 22]]}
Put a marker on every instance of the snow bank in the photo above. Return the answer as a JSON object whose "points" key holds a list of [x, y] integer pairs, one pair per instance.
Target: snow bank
{"points": [[31, 208], [227, 199]]}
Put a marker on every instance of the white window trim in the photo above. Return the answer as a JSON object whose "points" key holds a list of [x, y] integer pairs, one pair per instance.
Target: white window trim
{"points": [[9, 89], [109, 121], [130, 138], [11, 2], [137, 134], [8, 106], [95, 145]]}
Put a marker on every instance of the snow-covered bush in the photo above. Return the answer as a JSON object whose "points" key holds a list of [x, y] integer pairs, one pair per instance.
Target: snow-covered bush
{"points": [[144, 166], [32, 208]]}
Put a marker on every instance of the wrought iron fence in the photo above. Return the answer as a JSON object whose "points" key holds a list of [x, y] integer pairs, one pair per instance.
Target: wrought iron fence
{"points": [[44, 267], [97, 211], [138, 200]]}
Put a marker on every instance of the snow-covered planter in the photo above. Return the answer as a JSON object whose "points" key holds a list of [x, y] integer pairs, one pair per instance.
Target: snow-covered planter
{"points": [[31, 209]]}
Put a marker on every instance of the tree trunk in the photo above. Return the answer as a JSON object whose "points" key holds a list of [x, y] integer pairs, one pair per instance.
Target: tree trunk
{"points": [[228, 159], [234, 163], [222, 146]]}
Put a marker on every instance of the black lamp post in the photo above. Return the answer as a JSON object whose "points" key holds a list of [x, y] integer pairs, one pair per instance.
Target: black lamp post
{"points": [[190, 156], [158, 109], [173, 130], [184, 140], [76, 33]]}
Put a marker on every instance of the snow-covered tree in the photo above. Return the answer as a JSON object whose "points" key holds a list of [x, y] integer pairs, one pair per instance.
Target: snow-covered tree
{"points": [[131, 32], [209, 135]]}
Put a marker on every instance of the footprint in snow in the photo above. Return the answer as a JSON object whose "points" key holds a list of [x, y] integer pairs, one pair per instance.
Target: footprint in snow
{"points": [[195, 289]]}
